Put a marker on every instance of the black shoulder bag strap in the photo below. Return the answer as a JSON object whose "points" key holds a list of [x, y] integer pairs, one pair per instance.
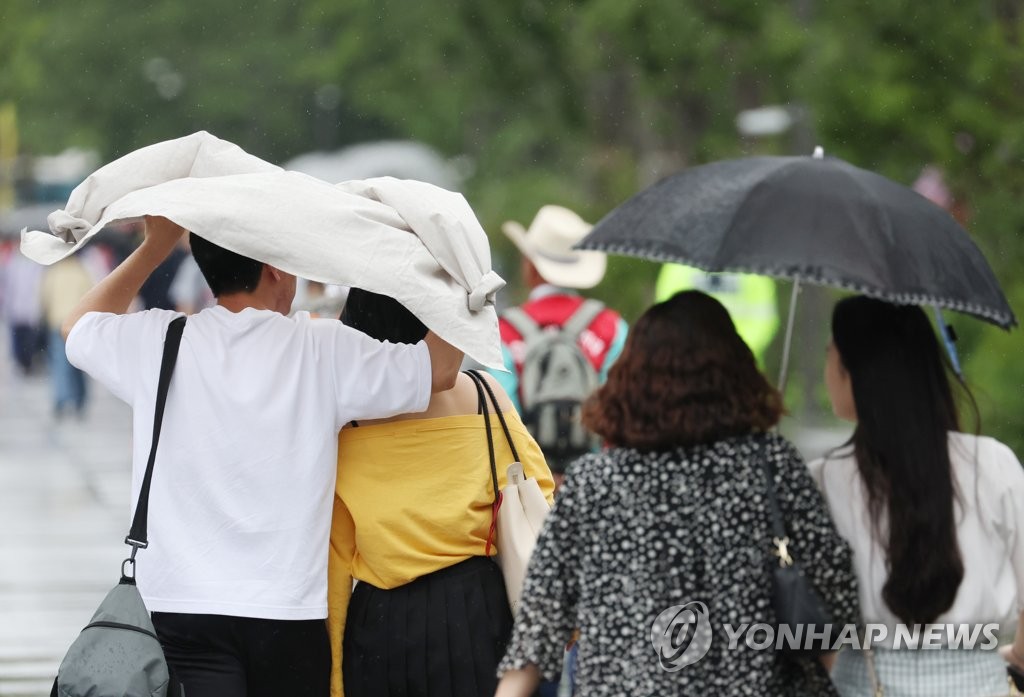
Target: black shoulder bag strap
{"points": [[481, 408], [138, 537], [482, 382], [779, 537], [481, 386], [794, 598]]}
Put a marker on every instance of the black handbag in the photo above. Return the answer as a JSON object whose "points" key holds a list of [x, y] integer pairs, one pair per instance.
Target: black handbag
{"points": [[118, 652], [798, 607]]}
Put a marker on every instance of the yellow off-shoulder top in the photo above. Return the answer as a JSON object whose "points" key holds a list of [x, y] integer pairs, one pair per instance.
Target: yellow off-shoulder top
{"points": [[412, 497]]}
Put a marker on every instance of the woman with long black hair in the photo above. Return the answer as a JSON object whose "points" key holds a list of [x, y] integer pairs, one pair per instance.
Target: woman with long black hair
{"points": [[935, 516]]}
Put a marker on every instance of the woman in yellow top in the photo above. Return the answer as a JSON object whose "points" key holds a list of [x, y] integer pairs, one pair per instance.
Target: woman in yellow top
{"points": [[412, 514]]}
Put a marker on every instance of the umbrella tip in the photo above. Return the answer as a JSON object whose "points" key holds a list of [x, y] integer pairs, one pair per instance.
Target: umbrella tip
{"points": [[819, 152]]}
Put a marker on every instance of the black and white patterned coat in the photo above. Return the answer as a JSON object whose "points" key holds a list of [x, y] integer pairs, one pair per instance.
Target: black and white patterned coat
{"points": [[633, 534]]}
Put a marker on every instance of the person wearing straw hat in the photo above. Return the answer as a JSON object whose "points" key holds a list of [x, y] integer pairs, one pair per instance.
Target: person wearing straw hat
{"points": [[553, 272], [556, 313]]}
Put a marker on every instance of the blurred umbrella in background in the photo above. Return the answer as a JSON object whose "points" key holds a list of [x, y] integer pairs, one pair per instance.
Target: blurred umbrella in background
{"points": [[402, 159], [32, 216]]}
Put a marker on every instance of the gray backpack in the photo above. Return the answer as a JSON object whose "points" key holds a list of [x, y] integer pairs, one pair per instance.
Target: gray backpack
{"points": [[555, 381], [118, 653]]}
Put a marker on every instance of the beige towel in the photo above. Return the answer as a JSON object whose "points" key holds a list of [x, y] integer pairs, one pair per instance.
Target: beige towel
{"points": [[413, 241]]}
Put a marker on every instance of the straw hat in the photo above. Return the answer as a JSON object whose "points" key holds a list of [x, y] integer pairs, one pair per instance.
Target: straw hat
{"points": [[548, 244]]}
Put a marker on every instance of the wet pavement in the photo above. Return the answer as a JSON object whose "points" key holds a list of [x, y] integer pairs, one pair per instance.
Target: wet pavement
{"points": [[64, 489]]}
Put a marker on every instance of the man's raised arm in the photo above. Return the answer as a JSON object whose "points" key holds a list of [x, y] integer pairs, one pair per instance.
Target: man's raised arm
{"points": [[116, 292]]}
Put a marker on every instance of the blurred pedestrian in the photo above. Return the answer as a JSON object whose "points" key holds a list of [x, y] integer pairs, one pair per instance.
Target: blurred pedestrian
{"points": [[63, 286], [558, 346], [22, 310], [550, 395], [155, 293], [189, 292], [675, 514], [319, 299], [235, 574], [429, 614], [935, 516]]}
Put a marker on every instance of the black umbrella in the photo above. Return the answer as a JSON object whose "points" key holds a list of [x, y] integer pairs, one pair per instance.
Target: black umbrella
{"points": [[811, 220]]}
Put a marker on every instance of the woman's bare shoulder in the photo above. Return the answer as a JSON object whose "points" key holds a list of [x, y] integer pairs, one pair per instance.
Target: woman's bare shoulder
{"points": [[463, 398], [459, 400], [504, 401]]}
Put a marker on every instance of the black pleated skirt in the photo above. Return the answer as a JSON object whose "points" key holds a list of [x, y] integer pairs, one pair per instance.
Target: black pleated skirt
{"points": [[441, 635]]}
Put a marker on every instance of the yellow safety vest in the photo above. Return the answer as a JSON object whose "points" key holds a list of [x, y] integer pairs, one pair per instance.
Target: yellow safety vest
{"points": [[749, 299]]}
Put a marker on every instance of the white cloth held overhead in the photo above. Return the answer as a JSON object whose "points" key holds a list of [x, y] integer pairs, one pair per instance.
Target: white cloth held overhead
{"points": [[407, 239], [196, 155], [434, 219]]}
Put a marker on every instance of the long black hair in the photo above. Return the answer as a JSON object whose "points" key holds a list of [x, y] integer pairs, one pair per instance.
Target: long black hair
{"points": [[382, 317], [905, 411]]}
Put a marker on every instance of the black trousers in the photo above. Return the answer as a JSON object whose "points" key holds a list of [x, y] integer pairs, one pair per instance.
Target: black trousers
{"points": [[222, 656], [441, 635]]}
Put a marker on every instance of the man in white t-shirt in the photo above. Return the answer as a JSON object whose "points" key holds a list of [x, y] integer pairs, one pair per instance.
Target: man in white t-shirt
{"points": [[239, 515]]}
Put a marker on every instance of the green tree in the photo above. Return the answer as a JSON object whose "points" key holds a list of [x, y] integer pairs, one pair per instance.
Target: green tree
{"points": [[578, 102], [904, 85], [96, 75]]}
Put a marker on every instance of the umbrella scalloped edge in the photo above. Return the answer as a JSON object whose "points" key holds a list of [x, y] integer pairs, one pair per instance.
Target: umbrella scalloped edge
{"points": [[1004, 320]]}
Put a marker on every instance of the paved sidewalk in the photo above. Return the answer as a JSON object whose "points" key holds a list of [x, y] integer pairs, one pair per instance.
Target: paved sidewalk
{"points": [[64, 491]]}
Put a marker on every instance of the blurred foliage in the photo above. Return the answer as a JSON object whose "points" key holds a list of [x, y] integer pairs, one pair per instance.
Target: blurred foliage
{"points": [[577, 102], [113, 78]]}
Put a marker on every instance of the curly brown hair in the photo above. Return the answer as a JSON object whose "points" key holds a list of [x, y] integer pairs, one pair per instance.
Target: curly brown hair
{"points": [[684, 377]]}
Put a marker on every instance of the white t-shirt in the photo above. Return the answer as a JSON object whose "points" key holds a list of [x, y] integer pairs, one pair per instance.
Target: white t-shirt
{"points": [[241, 499], [990, 531]]}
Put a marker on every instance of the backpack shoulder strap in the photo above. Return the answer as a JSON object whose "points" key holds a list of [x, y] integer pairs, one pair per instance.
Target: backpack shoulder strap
{"points": [[522, 323], [581, 319]]}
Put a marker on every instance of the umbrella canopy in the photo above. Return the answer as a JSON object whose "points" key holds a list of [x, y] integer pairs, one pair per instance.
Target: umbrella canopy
{"points": [[809, 219]]}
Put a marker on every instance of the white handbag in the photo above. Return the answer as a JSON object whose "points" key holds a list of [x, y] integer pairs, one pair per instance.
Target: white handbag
{"points": [[519, 508]]}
